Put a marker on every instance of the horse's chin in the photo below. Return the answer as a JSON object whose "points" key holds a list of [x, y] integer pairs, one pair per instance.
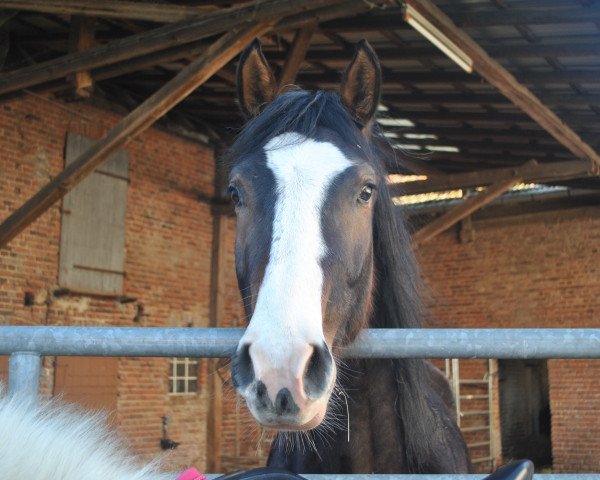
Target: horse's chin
{"points": [[295, 427]]}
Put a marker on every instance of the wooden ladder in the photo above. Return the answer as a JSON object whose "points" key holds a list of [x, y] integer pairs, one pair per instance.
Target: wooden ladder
{"points": [[474, 411]]}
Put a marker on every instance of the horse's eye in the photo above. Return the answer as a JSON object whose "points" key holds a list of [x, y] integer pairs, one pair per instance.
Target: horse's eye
{"points": [[234, 195], [365, 194]]}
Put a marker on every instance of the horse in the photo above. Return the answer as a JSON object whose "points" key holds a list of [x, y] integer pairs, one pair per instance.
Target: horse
{"points": [[320, 255]]}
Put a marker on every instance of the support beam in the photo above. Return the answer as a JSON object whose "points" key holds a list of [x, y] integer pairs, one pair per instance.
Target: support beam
{"points": [[505, 82], [471, 204], [155, 40], [530, 172], [82, 39], [296, 55], [577, 46], [152, 12], [218, 288], [173, 92]]}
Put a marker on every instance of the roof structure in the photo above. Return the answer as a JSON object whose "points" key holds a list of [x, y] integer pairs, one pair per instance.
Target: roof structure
{"points": [[529, 110]]}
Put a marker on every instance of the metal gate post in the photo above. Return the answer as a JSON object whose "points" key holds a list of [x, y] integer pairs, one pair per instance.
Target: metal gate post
{"points": [[24, 374]]}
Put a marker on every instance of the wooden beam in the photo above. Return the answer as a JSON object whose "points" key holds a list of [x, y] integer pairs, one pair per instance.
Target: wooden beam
{"points": [[218, 289], [390, 18], [296, 55], [193, 49], [416, 166], [505, 82], [469, 99], [153, 12], [173, 92], [471, 204], [347, 8], [154, 40], [577, 46], [82, 39], [530, 172]]}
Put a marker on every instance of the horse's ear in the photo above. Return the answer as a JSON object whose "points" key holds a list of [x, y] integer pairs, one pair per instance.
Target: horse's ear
{"points": [[361, 84], [256, 85]]}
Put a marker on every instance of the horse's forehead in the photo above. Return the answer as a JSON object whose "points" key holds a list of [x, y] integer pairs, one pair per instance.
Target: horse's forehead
{"points": [[303, 162]]}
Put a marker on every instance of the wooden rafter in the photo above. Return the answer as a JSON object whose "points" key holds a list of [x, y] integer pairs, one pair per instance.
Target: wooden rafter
{"points": [[530, 172], [296, 55], [466, 208], [173, 92], [505, 82], [584, 46], [154, 40], [153, 12]]}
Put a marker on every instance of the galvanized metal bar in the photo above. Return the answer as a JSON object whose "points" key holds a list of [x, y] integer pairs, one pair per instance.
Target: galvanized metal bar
{"points": [[373, 343], [24, 374], [478, 476]]}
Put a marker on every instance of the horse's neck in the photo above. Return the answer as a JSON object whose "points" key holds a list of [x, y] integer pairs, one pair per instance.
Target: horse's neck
{"points": [[375, 430]]}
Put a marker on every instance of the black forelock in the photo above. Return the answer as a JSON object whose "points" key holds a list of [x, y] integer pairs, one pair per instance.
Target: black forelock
{"points": [[303, 112]]}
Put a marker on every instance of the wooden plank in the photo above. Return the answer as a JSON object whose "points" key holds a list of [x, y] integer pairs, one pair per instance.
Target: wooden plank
{"points": [[534, 173], [471, 204], [218, 289], [82, 39], [506, 83], [153, 12], [154, 40], [296, 55], [173, 92]]}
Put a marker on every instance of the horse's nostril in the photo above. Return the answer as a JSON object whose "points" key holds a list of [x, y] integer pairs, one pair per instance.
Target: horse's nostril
{"points": [[284, 403], [262, 396], [318, 372], [242, 370]]}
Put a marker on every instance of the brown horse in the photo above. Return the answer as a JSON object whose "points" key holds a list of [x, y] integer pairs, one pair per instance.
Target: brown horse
{"points": [[319, 256]]}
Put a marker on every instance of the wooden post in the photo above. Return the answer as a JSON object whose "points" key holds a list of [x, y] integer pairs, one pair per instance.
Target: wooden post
{"points": [[174, 91], [470, 205], [217, 307], [296, 55], [81, 39]]}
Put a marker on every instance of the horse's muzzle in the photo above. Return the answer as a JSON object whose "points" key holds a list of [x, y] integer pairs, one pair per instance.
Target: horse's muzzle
{"points": [[286, 390]]}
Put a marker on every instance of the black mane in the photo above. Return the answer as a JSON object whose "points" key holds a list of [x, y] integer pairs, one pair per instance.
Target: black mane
{"points": [[302, 112], [397, 302]]}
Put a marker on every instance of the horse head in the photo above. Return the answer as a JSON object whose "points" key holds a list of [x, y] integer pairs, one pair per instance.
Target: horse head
{"points": [[304, 185]]}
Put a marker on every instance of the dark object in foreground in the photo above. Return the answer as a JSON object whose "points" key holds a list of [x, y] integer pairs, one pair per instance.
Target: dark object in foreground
{"points": [[517, 470]]}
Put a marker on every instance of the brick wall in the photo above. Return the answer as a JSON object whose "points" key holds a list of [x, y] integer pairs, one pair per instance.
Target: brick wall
{"points": [[540, 270], [167, 262]]}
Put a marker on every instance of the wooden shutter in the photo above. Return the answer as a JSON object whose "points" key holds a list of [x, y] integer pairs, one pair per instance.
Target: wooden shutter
{"points": [[92, 249]]}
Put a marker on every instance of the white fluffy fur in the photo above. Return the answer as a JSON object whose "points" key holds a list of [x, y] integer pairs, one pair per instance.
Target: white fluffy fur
{"points": [[51, 441]]}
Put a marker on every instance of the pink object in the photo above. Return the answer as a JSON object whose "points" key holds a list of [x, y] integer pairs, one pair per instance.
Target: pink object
{"points": [[191, 474]]}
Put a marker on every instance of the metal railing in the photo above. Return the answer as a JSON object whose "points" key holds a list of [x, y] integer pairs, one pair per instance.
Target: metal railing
{"points": [[26, 345]]}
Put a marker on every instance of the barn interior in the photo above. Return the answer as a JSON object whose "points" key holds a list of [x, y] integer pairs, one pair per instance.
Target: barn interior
{"points": [[492, 108]]}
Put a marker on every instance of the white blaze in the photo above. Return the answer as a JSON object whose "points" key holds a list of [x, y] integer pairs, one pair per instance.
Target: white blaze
{"points": [[288, 308]]}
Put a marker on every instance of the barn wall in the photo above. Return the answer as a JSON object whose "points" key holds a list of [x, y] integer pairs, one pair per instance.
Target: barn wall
{"points": [[539, 270], [167, 260]]}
